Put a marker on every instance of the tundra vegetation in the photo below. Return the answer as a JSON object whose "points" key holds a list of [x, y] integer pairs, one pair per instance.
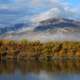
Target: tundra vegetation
{"points": [[26, 50]]}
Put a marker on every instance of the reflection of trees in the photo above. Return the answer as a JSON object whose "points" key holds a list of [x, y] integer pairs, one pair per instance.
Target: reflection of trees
{"points": [[7, 67], [10, 67]]}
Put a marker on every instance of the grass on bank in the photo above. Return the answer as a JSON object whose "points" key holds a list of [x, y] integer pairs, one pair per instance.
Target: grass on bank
{"points": [[25, 49]]}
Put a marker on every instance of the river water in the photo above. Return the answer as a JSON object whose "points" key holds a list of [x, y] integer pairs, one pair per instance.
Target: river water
{"points": [[56, 70]]}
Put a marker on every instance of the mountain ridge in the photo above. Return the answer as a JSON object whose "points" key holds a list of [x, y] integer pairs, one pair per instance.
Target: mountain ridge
{"points": [[57, 23], [47, 30]]}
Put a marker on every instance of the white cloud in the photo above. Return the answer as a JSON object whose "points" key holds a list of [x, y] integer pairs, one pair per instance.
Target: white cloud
{"points": [[46, 15], [50, 8], [59, 10]]}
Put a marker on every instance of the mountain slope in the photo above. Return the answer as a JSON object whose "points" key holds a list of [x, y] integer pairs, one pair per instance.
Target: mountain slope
{"points": [[57, 23], [48, 30]]}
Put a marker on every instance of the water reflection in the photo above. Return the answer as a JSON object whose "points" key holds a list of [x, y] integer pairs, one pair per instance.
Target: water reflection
{"points": [[56, 70]]}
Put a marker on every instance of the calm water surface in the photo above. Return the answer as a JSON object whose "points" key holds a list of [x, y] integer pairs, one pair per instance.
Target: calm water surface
{"points": [[56, 70]]}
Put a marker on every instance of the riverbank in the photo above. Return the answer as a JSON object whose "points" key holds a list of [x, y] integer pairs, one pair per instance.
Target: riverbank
{"points": [[10, 49]]}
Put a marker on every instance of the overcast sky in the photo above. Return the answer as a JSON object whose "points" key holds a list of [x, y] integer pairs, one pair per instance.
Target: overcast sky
{"points": [[12, 11]]}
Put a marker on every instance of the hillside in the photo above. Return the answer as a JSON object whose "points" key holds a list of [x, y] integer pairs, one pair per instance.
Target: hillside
{"points": [[46, 30]]}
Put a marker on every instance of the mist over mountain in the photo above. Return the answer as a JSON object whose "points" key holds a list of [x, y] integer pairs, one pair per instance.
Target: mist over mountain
{"points": [[45, 30], [13, 28], [52, 20]]}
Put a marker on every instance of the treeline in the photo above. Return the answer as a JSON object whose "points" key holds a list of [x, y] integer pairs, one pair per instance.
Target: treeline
{"points": [[10, 49]]}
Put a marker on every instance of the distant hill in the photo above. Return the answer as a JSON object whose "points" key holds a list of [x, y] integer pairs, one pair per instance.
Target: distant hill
{"points": [[12, 28], [57, 23], [45, 30]]}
